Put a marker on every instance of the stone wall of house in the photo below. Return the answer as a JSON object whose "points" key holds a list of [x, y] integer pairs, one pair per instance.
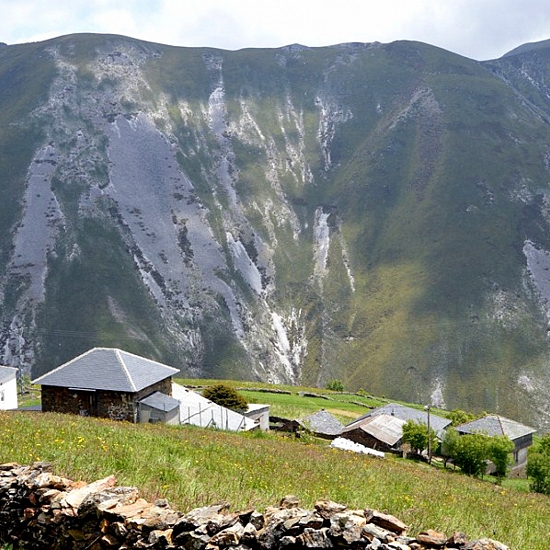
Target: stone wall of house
{"points": [[101, 403], [362, 437], [43, 511]]}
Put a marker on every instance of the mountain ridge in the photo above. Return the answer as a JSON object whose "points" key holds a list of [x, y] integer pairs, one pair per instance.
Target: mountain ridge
{"points": [[371, 212]]}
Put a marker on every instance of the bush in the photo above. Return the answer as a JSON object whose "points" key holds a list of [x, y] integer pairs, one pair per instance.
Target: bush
{"points": [[538, 466], [500, 453], [335, 385], [226, 396], [416, 435], [471, 453], [457, 417]]}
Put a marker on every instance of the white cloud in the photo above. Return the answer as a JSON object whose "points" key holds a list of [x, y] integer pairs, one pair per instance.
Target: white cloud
{"points": [[476, 28]]}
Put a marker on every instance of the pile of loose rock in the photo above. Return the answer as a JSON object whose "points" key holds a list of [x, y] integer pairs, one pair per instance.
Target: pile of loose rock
{"points": [[39, 510]]}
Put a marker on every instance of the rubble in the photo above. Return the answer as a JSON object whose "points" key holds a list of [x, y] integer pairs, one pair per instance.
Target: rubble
{"points": [[40, 510]]}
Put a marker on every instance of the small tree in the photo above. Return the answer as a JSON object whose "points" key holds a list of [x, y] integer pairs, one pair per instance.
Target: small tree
{"points": [[538, 466], [457, 417], [226, 396], [335, 385], [471, 453], [449, 445], [500, 453], [416, 435]]}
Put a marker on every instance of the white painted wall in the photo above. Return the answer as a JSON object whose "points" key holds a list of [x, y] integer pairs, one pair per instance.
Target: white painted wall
{"points": [[8, 388]]}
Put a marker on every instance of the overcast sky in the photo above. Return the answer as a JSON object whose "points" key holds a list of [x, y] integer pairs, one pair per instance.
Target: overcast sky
{"points": [[479, 29]]}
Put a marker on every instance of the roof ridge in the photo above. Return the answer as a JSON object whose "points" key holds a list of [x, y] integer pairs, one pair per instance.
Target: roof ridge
{"points": [[145, 358], [125, 369], [500, 424]]}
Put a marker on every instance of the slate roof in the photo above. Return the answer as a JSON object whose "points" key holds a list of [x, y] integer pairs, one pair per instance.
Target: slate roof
{"points": [[384, 427], [493, 424], [7, 374], [107, 369], [322, 422], [437, 423], [160, 402]]}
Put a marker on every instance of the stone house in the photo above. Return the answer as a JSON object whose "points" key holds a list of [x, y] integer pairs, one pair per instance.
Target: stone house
{"points": [[8, 388], [321, 424], [492, 424], [381, 432], [107, 383], [382, 428]]}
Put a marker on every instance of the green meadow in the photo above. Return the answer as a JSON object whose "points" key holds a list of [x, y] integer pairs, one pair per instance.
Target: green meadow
{"points": [[194, 467]]}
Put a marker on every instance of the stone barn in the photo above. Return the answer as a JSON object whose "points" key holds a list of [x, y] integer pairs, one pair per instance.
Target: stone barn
{"points": [[492, 424], [382, 432], [107, 383]]}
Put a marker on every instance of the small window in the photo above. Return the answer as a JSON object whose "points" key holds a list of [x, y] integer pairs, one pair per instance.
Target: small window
{"points": [[1, 396]]}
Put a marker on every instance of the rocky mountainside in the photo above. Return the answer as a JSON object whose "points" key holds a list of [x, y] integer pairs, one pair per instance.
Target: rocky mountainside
{"points": [[378, 213]]}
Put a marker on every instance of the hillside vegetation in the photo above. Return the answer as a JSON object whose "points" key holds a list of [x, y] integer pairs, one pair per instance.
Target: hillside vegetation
{"points": [[194, 467], [377, 213]]}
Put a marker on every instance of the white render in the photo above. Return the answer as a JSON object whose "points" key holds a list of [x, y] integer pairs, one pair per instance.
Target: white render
{"points": [[8, 388], [346, 445]]}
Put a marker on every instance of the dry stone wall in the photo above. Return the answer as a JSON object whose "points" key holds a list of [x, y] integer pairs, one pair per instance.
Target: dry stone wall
{"points": [[41, 511]]}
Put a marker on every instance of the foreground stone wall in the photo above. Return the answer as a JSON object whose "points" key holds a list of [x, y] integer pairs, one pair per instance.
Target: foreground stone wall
{"points": [[41, 511]]}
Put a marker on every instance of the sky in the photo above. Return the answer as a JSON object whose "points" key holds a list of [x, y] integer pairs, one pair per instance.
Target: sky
{"points": [[478, 29]]}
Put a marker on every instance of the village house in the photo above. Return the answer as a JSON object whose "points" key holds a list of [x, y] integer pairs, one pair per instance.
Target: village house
{"points": [[8, 388], [321, 424], [492, 424], [115, 384], [381, 432], [105, 382], [382, 428]]}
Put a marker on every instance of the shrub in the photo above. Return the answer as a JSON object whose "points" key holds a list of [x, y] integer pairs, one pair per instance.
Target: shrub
{"points": [[226, 396], [471, 453], [449, 445], [458, 417], [538, 466], [416, 435], [499, 452], [335, 385]]}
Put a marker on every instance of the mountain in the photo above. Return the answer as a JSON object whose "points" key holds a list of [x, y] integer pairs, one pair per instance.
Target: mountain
{"points": [[377, 213]]}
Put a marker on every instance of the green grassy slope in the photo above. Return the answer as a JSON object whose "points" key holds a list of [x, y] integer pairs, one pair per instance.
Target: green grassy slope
{"points": [[193, 467]]}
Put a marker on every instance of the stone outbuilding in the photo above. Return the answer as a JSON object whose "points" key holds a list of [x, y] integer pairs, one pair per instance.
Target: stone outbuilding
{"points": [[381, 432], [382, 428], [322, 424], [107, 383], [492, 424]]}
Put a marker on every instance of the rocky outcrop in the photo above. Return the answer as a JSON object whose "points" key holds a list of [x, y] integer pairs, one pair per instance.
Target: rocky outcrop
{"points": [[40, 510]]}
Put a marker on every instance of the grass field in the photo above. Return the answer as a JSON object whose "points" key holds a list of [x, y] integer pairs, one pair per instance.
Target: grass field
{"points": [[193, 467]]}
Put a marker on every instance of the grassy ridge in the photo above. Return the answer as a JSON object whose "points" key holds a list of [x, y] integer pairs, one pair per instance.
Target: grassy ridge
{"points": [[193, 467]]}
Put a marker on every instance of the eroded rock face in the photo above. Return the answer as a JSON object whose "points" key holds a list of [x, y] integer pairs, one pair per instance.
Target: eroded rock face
{"points": [[280, 215], [42, 511]]}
